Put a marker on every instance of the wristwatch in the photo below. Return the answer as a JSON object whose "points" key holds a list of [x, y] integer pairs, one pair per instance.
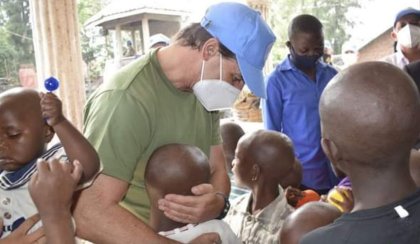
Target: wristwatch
{"points": [[226, 207]]}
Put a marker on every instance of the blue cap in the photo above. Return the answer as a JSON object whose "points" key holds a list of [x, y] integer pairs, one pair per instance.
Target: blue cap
{"points": [[406, 12], [243, 31]]}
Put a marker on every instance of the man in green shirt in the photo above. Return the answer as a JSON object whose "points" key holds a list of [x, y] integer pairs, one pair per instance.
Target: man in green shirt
{"points": [[171, 95]]}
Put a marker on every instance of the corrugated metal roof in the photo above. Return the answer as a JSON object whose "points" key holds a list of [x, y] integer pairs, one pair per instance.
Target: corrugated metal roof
{"points": [[125, 8]]}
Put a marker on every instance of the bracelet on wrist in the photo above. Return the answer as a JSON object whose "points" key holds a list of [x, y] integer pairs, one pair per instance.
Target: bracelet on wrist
{"points": [[226, 206]]}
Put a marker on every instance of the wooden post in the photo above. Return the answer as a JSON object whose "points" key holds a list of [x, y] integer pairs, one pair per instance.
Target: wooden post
{"points": [[118, 46], [58, 52], [146, 33]]}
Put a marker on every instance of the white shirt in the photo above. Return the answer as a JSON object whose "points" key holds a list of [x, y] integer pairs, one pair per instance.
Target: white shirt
{"points": [[398, 59], [189, 232]]}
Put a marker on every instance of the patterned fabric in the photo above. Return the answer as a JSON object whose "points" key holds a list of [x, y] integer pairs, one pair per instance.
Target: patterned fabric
{"points": [[16, 204], [14, 179], [263, 227]]}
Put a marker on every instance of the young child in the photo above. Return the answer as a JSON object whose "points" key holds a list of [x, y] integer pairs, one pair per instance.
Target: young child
{"points": [[370, 116], [28, 121], [231, 133], [262, 159], [176, 168], [305, 219]]}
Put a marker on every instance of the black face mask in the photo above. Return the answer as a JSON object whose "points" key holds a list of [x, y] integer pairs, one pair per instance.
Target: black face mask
{"points": [[303, 61]]}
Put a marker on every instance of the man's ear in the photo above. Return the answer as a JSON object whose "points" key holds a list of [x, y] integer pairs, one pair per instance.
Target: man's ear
{"points": [[210, 48], [48, 132], [394, 35], [255, 172]]}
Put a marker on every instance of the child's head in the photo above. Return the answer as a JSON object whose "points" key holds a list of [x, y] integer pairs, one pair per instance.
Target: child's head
{"points": [[370, 114], [294, 177], [306, 41], [175, 169], [305, 219], [23, 131], [262, 158], [230, 132]]}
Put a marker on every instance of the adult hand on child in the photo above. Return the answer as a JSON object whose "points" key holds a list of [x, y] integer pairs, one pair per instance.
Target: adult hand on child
{"points": [[51, 108], [53, 185], [20, 234], [205, 205]]}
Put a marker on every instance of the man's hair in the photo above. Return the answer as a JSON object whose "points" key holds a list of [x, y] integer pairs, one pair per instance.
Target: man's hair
{"points": [[195, 36], [304, 23]]}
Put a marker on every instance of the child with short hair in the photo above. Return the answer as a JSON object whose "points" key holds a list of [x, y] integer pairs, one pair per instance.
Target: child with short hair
{"points": [[231, 133], [370, 116], [305, 219], [262, 159], [175, 169], [28, 122]]}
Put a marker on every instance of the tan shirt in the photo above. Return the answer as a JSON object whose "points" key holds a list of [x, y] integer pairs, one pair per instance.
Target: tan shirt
{"points": [[265, 226]]}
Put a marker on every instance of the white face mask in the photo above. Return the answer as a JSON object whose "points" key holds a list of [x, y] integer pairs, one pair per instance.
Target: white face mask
{"points": [[409, 36], [215, 94]]}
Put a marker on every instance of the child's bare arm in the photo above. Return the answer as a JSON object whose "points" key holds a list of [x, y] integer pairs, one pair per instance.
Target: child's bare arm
{"points": [[51, 189], [75, 144], [21, 235]]}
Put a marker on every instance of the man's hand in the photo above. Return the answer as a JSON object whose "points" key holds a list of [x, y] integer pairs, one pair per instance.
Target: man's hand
{"points": [[205, 205], [207, 238], [19, 235]]}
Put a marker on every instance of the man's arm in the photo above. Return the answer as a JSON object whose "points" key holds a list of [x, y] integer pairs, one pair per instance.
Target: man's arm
{"points": [[206, 204], [100, 219]]}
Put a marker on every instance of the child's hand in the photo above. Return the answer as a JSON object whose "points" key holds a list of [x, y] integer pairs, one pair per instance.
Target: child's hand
{"points": [[20, 234], [53, 185], [293, 195], [51, 108]]}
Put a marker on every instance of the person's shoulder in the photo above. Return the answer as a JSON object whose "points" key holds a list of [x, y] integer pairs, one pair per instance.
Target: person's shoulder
{"points": [[413, 68], [391, 58], [328, 68], [322, 235], [278, 75]]}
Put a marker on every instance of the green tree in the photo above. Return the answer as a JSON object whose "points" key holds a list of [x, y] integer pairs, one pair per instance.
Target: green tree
{"points": [[331, 13], [15, 21], [8, 62]]}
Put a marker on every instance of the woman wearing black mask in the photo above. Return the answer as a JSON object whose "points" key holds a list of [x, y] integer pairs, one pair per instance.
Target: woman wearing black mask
{"points": [[293, 91]]}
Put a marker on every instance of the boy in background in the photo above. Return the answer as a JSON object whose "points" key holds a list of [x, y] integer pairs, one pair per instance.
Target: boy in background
{"points": [[291, 106], [231, 133]]}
